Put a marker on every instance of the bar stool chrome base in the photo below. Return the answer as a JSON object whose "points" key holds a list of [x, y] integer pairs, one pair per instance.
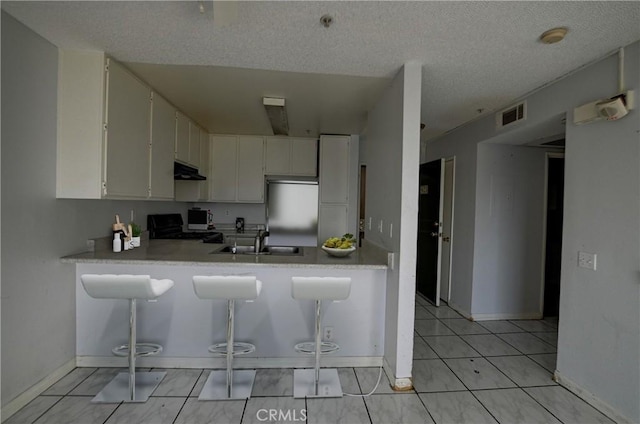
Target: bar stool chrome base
{"points": [[216, 386], [118, 389], [328, 383]]}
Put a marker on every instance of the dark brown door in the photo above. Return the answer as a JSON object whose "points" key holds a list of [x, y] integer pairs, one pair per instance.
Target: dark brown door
{"points": [[429, 230]]}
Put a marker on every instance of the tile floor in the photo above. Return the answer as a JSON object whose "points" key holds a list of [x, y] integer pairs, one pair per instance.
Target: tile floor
{"points": [[464, 372]]}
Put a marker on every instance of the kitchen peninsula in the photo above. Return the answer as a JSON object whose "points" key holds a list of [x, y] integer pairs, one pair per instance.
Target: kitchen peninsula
{"points": [[185, 326]]}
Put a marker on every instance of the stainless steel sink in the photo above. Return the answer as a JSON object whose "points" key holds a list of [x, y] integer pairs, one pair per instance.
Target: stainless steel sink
{"points": [[266, 250], [283, 250]]}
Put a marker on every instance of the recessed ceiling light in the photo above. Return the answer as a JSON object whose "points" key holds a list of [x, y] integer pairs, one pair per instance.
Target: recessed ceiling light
{"points": [[554, 35]]}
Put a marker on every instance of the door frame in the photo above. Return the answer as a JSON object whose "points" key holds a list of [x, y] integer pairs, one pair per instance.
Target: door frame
{"points": [[548, 155], [453, 207]]}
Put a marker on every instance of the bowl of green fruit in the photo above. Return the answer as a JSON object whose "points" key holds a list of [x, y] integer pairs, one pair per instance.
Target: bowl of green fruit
{"points": [[340, 246]]}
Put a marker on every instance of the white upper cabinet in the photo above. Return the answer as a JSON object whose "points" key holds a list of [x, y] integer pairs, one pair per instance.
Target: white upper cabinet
{"points": [[163, 135], [290, 156], [237, 173], [116, 139], [224, 173], [104, 129], [304, 156], [250, 169], [277, 156], [182, 138], [334, 169], [194, 145], [205, 147]]}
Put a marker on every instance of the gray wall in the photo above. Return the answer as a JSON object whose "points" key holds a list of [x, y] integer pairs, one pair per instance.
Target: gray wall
{"points": [[38, 292], [508, 231], [599, 336]]}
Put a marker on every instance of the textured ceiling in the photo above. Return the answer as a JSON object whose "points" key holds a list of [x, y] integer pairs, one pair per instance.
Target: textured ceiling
{"points": [[475, 55]]}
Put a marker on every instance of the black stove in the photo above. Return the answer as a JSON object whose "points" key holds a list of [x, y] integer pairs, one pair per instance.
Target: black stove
{"points": [[169, 226]]}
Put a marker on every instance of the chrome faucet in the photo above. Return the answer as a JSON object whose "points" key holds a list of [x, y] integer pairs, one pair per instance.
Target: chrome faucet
{"points": [[258, 242]]}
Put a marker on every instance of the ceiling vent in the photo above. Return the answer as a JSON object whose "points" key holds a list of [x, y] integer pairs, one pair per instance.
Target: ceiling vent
{"points": [[277, 114], [511, 115]]}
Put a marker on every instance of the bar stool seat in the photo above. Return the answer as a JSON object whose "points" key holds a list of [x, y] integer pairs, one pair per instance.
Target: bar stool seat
{"points": [[228, 384], [131, 386], [318, 382]]}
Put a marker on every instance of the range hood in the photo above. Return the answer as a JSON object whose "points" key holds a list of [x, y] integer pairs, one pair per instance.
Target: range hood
{"points": [[186, 173]]}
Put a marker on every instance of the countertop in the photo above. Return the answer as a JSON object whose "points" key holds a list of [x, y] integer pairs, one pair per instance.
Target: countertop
{"points": [[196, 253]]}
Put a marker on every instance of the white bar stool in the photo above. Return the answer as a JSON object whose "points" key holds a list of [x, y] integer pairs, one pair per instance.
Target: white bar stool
{"points": [[318, 382], [226, 385], [131, 386]]}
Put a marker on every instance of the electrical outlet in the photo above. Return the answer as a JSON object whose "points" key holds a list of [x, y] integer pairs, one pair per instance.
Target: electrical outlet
{"points": [[328, 334], [132, 216], [226, 212], [370, 221], [380, 226], [587, 260]]}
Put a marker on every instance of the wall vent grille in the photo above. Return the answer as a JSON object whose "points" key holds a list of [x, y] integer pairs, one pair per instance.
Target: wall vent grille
{"points": [[511, 115]]}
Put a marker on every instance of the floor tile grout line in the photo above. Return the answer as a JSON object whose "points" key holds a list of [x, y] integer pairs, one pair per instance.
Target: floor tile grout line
{"points": [[544, 407], [43, 413], [180, 410], [112, 412]]}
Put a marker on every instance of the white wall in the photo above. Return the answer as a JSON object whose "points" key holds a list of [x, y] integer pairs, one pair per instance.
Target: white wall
{"points": [[391, 154], [38, 292], [508, 231], [226, 213], [599, 336]]}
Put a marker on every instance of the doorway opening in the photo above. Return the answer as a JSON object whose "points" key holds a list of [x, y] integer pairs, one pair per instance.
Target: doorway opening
{"points": [[554, 200], [435, 230], [362, 200]]}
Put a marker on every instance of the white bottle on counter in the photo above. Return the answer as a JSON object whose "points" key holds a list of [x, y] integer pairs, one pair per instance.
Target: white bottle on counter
{"points": [[117, 244]]}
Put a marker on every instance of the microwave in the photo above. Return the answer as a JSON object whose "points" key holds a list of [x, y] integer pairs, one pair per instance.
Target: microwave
{"points": [[198, 219]]}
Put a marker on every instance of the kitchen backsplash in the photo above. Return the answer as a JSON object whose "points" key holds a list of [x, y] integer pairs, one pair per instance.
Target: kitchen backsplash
{"points": [[226, 213]]}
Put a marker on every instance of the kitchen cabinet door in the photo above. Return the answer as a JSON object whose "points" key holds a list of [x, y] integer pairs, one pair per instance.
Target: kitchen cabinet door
{"points": [[334, 169], [194, 145], [250, 169], [182, 138], [163, 134], [205, 146], [127, 134], [304, 156], [332, 221], [277, 156], [224, 177]]}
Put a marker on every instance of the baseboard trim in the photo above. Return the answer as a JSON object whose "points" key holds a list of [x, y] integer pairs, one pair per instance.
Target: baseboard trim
{"points": [[34, 391], [238, 362], [591, 399], [493, 317], [397, 384], [461, 311]]}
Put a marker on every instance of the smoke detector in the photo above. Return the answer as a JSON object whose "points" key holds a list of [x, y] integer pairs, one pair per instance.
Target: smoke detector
{"points": [[554, 35]]}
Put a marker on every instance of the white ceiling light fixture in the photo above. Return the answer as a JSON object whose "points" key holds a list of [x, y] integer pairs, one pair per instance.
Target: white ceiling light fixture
{"points": [[277, 114], [554, 35]]}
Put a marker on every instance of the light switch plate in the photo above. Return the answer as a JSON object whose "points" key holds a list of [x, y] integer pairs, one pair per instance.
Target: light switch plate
{"points": [[587, 260]]}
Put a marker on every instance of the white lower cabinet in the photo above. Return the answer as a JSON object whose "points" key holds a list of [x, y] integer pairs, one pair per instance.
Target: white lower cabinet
{"points": [[237, 173], [332, 221]]}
